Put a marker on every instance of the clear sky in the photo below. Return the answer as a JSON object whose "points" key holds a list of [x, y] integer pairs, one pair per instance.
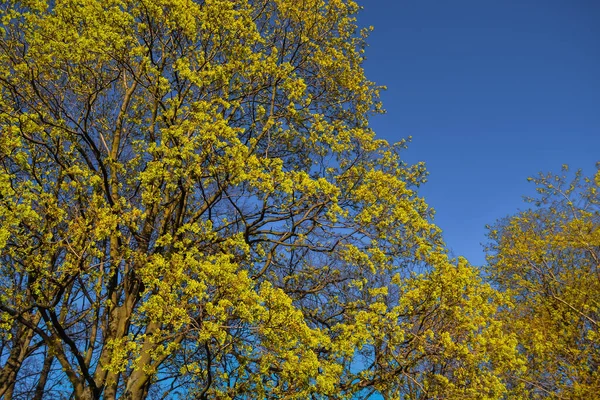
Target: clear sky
{"points": [[492, 91]]}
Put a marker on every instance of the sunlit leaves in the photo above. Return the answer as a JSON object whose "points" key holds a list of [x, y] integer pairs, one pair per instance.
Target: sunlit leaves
{"points": [[547, 260], [192, 204]]}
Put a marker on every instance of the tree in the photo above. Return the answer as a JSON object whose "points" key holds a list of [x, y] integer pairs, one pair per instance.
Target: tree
{"points": [[192, 205], [547, 259]]}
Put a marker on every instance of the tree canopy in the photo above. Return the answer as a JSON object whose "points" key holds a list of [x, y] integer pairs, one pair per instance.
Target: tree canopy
{"points": [[193, 205], [547, 259]]}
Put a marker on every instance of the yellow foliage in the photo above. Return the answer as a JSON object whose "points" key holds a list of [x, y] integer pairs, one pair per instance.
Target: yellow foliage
{"points": [[190, 195], [547, 260]]}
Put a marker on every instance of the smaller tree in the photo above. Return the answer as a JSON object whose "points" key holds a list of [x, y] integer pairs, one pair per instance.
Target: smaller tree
{"points": [[547, 259]]}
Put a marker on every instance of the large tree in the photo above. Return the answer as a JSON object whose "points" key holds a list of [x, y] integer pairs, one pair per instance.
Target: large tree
{"points": [[192, 205], [547, 259]]}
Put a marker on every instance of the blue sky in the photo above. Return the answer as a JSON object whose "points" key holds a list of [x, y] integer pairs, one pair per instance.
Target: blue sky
{"points": [[492, 91]]}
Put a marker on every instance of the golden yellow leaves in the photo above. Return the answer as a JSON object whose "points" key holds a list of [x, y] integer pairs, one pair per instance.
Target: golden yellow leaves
{"points": [[546, 259]]}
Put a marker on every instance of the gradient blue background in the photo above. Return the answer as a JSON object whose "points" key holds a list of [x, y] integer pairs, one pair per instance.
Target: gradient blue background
{"points": [[492, 91]]}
